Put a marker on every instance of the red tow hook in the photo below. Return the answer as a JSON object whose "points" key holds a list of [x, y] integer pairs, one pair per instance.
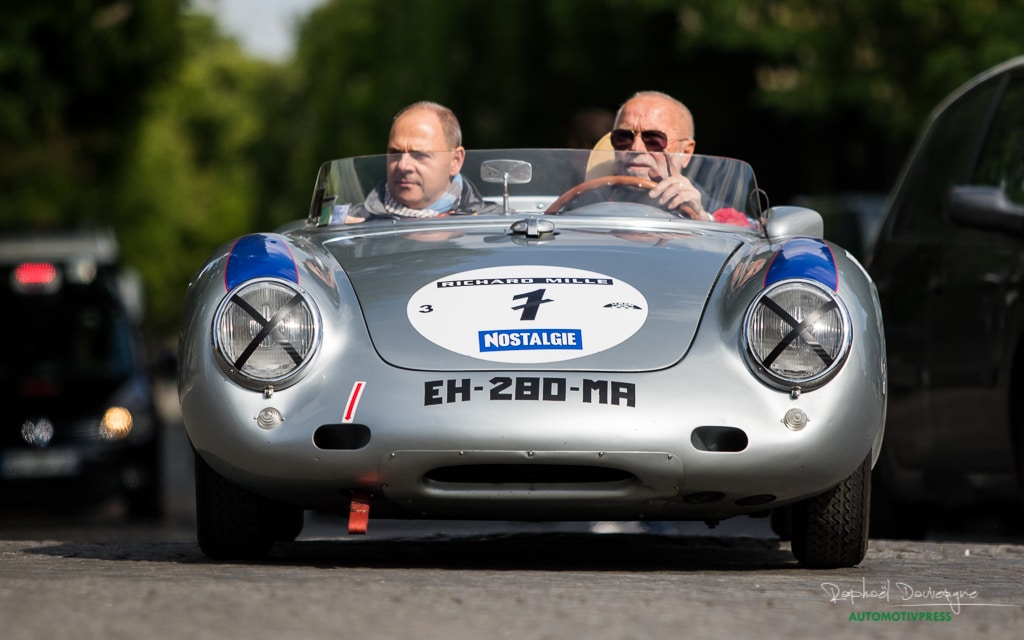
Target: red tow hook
{"points": [[359, 512]]}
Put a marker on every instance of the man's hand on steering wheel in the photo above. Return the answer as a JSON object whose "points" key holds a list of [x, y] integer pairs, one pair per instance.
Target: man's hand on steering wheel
{"points": [[673, 190]]}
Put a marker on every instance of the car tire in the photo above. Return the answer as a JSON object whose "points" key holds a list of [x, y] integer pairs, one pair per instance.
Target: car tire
{"points": [[231, 523], [830, 530]]}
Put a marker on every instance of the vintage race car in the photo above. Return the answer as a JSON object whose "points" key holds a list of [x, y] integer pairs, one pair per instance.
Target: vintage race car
{"points": [[577, 352]]}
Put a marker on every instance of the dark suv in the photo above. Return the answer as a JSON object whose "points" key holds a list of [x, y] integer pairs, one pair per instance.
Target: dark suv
{"points": [[79, 421], [949, 265]]}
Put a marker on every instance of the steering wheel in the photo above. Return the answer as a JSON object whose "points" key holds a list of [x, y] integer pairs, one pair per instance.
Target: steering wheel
{"points": [[607, 181]]}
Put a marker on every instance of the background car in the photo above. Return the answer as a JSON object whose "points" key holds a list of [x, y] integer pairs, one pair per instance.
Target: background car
{"points": [[949, 266], [80, 424]]}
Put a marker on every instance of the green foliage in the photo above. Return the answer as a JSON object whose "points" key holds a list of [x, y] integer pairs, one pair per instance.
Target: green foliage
{"points": [[143, 116], [889, 61], [191, 185], [73, 83], [781, 83]]}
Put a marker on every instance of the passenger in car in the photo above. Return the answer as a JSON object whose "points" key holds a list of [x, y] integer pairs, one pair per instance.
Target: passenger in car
{"points": [[424, 163]]}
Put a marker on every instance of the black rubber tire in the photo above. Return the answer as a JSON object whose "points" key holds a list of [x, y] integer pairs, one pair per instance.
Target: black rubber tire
{"points": [[830, 530], [231, 523]]}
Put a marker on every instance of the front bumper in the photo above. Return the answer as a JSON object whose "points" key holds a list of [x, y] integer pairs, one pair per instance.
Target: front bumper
{"points": [[664, 457]]}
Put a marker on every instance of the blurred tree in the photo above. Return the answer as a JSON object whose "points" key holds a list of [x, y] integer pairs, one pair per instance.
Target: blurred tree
{"points": [[889, 61], [514, 72], [192, 182], [781, 83], [852, 81], [143, 116], [73, 83]]}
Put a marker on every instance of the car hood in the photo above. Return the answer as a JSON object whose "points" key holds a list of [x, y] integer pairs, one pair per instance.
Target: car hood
{"points": [[483, 298]]}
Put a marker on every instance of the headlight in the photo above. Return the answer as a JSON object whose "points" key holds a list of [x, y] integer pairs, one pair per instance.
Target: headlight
{"points": [[265, 331], [116, 424], [797, 333]]}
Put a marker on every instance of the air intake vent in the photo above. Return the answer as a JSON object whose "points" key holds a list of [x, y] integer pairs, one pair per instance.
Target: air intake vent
{"points": [[528, 474]]}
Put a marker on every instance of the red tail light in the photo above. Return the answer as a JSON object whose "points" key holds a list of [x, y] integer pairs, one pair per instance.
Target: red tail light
{"points": [[35, 273]]}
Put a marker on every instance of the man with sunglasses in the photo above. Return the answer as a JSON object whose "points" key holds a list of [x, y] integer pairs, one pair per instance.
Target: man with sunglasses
{"points": [[656, 132]]}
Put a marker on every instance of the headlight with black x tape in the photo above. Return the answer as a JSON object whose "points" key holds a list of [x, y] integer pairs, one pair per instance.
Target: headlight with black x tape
{"points": [[265, 332], [797, 333]]}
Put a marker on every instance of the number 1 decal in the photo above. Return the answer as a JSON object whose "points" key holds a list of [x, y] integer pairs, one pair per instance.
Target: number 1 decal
{"points": [[533, 301]]}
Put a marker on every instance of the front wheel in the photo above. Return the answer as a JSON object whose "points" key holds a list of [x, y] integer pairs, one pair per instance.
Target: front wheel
{"points": [[235, 524], [830, 530]]}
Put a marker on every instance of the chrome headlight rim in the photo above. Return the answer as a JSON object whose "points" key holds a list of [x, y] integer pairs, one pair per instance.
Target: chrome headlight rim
{"points": [[837, 358], [240, 374]]}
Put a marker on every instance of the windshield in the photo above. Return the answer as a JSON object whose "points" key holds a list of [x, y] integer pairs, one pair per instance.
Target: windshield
{"points": [[536, 181]]}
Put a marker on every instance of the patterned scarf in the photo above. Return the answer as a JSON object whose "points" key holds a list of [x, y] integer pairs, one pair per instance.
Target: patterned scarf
{"points": [[449, 201]]}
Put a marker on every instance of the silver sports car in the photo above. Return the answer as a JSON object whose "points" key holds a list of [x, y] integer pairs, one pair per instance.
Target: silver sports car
{"points": [[567, 349]]}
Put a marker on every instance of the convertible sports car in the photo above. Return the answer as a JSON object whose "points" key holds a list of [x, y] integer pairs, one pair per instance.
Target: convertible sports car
{"points": [[579, 353]]}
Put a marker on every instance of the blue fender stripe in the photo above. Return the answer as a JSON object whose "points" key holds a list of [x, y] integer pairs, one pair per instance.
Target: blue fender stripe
{"points": [[259, 256], [806, 258]]}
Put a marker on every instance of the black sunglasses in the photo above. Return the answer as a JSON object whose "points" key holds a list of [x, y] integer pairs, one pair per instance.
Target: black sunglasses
{"points": [[654, 140]]}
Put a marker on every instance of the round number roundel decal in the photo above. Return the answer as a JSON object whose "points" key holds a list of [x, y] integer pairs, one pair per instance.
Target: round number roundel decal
{"points": [[527, 314]]}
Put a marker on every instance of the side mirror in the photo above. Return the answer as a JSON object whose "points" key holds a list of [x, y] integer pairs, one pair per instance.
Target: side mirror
{"points": [[987, 208], [788, 222]]}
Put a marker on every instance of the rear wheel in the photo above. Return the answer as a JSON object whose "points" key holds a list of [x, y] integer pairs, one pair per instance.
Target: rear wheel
{"points": [[831, 529], [235, 524]]}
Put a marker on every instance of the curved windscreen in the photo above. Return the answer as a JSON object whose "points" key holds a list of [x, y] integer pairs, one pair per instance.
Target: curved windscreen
{"points": [[537, 181]]}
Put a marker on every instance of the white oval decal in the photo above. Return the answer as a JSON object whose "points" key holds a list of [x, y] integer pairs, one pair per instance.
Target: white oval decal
{"points": [[527, 314]]}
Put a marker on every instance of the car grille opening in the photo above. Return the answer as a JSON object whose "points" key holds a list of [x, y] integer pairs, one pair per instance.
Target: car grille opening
{"points": [[719, 439], [527, 474], [343, 437]]}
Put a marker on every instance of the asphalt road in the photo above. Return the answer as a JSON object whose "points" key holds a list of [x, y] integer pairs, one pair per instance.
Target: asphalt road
{"points": [[519, 582], [91, 575]]}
